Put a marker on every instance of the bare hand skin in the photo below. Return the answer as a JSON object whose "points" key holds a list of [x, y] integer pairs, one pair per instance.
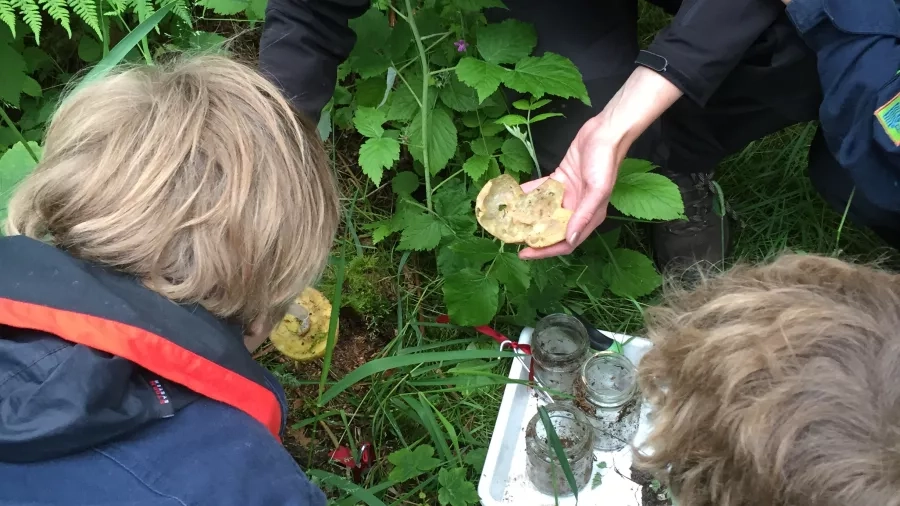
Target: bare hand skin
{"points": [[589, 168]]}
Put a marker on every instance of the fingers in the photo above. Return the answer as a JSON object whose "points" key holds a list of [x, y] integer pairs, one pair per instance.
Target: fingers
{"points": [[558, 249], [531, 185], [564, 247], [591, 211]]}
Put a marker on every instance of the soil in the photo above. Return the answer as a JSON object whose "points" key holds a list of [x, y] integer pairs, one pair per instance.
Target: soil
{"points": [[358, 342], [649, 497]]}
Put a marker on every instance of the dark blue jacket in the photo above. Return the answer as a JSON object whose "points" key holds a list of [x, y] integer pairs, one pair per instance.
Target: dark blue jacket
{"points": [[113, 395], [857, 44]]}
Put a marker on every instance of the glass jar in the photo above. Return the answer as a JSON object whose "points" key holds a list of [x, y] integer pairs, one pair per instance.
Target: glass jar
{"points": [[577, 439], [608, 393], [559, 346]]}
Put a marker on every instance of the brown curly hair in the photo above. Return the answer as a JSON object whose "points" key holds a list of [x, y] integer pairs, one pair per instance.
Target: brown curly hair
{"points": [[777, 385]]}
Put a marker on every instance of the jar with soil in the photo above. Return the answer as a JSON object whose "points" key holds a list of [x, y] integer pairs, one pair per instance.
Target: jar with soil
{"points": [[607, 392], [577, 439], [559, 346]]}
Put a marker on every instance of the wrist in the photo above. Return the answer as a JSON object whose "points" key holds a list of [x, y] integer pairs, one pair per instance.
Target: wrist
{"points": [[638, 103]]}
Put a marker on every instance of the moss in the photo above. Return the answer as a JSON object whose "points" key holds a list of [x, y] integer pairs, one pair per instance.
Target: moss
{"points": [[367, 286]]}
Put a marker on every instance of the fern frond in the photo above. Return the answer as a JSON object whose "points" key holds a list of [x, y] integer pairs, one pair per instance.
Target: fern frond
{"points": [[179, 8], [118, 7], [8, 15], [31, 14], [59, 11], [87, 11], [144, 9]]}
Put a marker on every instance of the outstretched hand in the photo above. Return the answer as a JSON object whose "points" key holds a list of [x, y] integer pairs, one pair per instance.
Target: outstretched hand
{"points": [[591, 165], [588, 173]]}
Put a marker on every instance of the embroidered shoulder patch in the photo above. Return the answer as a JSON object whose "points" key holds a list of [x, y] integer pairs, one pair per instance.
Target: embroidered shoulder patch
{"points": [[889, 117]]}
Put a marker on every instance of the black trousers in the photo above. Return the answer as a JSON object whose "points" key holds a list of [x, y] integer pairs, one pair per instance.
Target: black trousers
{"points": [[774, 86]]}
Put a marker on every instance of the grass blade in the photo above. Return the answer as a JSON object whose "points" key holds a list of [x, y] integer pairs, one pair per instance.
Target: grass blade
{"points": [[117, 54], [553, 439], [454, 438], [347, 486], [332, 324], [383, 364], [426, 415]]}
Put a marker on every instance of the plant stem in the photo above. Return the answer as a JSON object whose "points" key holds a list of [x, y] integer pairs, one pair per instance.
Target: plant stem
{"points": [[441, 71], [423, 59], [8, 121]]}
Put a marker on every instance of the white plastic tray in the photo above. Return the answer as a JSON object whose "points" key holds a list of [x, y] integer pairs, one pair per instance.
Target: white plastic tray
{"points": [[503, 480]]}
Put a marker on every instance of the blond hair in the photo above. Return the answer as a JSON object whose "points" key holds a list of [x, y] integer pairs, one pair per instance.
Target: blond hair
{"points": [[195, 176], [778, 385]]}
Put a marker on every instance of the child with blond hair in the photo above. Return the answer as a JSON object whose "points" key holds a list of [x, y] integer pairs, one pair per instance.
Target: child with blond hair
{"points": [[176, 213], [778, 384]]}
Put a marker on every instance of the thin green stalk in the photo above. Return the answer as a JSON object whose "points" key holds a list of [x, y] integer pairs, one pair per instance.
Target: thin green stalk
{"points": [[9, 122], [423, 59], [441, 71], [837, 240], [332, 324]]}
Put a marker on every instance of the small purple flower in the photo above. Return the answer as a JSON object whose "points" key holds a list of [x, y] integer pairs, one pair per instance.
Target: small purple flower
{"points": [[461, 45]]}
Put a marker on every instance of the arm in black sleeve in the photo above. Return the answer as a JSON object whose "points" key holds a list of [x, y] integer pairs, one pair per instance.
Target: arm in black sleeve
{"points": [[303, 42], [706, 41]]}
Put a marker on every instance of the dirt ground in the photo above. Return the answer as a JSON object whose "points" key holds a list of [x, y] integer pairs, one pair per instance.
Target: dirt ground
{"points": [[358, 342]]}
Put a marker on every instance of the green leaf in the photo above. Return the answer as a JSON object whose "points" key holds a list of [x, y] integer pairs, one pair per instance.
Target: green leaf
{"points": [[451, 262], [515, 157], [455, 489], [453, 200], [89, 50], [404, 183], [630, 274], [486, 146], [478, 5], [368, 121], [372, 33], [376, 155], [512, 120], [409, 464], [476, 250], [225, 7], [369, 92], [31, 87], [458, 96], [551, 74], [423, 232], [476, 458], [403, 105], [542, 117], [441, 139], [647, 196], [506, 42], [483, 76], [510, 270], [526, 105], [15, 164], [380, 232], [634, 166], [36, 59], [471, 297], [476, 166], [13, 80]]}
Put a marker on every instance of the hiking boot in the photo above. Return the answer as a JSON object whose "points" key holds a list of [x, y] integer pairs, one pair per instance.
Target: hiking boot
{"points": [[703, 240]]}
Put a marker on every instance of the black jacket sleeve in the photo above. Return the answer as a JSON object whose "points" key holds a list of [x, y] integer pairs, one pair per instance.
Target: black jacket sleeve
{"points": [[706, 41], [303, 42]]}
